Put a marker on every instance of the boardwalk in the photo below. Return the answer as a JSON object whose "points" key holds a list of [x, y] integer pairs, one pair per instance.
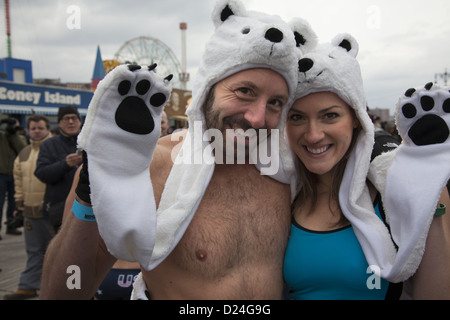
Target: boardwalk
{"points": [[12, 261]]}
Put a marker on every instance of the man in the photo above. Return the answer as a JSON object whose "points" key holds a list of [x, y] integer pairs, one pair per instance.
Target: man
{"points": [[29, 195], [57, 162], [228, 211], [10, 145], [233, 247]]}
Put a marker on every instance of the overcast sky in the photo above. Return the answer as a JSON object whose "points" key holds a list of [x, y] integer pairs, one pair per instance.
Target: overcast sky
{"points": [[403, 43]]}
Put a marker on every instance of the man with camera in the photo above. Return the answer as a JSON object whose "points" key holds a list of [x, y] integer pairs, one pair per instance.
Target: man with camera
{"points": [[10, 145]]}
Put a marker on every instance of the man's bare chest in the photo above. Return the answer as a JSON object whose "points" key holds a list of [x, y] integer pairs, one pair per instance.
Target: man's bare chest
{"points": [[241, 221]]}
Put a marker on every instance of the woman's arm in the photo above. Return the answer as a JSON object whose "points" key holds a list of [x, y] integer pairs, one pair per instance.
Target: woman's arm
{"points": [[432, 279]]}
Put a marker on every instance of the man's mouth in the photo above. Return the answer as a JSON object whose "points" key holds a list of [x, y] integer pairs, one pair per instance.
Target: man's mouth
{"points": [[244, 133]]}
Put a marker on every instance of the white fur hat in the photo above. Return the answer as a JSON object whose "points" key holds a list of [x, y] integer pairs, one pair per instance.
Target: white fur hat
{"points": [[396, 253], [333, 67], [242, 40]]}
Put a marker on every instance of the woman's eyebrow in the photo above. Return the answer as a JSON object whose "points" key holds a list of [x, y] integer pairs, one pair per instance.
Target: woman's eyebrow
{"points": [[330, 108], [325, 110]]}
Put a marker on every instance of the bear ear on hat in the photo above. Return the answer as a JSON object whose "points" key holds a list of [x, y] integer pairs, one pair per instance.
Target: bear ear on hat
{"points": [[225, 9], [305, 37], [347, 42]]}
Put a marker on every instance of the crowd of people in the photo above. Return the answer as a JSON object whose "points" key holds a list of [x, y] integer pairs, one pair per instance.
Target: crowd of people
{"points": [[317, 230], [40, 173], [35, 182]]}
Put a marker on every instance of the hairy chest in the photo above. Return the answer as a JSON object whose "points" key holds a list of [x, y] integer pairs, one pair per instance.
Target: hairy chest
{"points": [[242, 221]]}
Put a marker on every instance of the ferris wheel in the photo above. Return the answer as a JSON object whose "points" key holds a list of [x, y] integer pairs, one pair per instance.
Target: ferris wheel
{"points": [[146, 50]]}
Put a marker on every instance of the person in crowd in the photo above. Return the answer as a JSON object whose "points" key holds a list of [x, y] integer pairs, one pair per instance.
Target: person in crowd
{"points": [[391, 129], [10, 145], [29, 196], [339, 247], [224, 251], [57, 162], [164, 124]]}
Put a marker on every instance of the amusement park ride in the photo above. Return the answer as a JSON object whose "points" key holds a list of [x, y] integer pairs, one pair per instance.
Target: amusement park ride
{"points": [[146, 50]]}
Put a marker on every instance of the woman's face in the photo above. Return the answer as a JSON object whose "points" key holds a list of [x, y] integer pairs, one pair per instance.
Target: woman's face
{"points": [[320, 130]]}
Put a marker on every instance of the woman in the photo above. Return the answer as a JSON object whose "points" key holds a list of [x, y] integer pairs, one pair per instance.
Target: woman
{"points": [[338, 216]]}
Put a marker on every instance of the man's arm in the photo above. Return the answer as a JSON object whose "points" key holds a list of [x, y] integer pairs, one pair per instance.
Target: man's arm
{"points": [[16, 142], [77, 260], [49, 169]]}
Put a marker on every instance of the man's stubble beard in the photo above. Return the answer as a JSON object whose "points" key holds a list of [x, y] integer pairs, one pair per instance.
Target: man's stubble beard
{"points": [[213, 120]]}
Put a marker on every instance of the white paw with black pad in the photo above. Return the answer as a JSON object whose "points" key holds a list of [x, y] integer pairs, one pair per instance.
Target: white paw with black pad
{"points": [[420, 166], [120, 134], [423, 116]]}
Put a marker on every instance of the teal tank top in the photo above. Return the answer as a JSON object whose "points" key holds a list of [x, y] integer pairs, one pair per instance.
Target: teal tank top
{"points": [[330, 266]]}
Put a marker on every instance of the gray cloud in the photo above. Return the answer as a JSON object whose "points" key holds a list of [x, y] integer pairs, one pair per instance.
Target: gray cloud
{"points": [[403, 43]]}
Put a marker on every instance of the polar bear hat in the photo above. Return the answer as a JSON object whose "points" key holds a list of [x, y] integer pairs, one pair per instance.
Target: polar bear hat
{"points": [[242, 40], [333, 67]]}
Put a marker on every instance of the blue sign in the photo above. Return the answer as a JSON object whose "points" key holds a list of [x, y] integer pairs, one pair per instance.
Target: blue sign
{"points": [[34, 96]]}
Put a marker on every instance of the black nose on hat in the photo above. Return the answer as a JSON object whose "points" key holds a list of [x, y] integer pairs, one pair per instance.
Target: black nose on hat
{"points": [[305, 64], [274, 35]]}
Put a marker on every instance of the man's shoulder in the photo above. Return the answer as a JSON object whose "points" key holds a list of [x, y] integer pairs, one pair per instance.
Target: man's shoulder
{"points": [[163, 159], [25, 153], [173, 139], [50, 141], [168, 146]]}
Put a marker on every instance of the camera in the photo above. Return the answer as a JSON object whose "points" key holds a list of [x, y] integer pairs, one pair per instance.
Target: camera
{"points": [[11, 125]]}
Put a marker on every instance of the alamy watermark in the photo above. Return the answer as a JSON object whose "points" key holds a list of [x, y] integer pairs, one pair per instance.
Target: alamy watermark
{"points": [[374, 280], [235, 146], [73, 282], [73, 21], [374, 17]]}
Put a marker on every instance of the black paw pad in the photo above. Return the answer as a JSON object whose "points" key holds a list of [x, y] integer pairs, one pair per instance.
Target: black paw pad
{"points": [[430, 128], [133, 115]]}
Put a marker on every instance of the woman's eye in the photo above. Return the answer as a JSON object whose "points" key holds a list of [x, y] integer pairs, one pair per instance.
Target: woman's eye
{"points": [[295, 117], [331, 115]]}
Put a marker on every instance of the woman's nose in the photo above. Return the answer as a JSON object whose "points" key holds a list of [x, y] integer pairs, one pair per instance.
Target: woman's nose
{"points": [[314, 133]]}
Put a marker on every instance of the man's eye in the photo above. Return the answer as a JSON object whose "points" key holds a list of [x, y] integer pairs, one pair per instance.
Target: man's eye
{"points": [[244, 90], [276, 103]]}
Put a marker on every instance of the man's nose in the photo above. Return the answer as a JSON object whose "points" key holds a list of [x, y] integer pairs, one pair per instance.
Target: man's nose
{"points": [[256, 115]]}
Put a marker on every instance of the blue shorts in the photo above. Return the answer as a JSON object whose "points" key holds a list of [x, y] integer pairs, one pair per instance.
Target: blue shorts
{"points": [[117, 284]]}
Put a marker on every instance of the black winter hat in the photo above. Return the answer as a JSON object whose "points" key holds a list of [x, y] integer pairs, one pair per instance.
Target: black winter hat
{"points": [[62, 111]]}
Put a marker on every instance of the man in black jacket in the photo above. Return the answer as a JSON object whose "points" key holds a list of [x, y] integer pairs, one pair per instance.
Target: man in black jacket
{"points": [[57, 162]]}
